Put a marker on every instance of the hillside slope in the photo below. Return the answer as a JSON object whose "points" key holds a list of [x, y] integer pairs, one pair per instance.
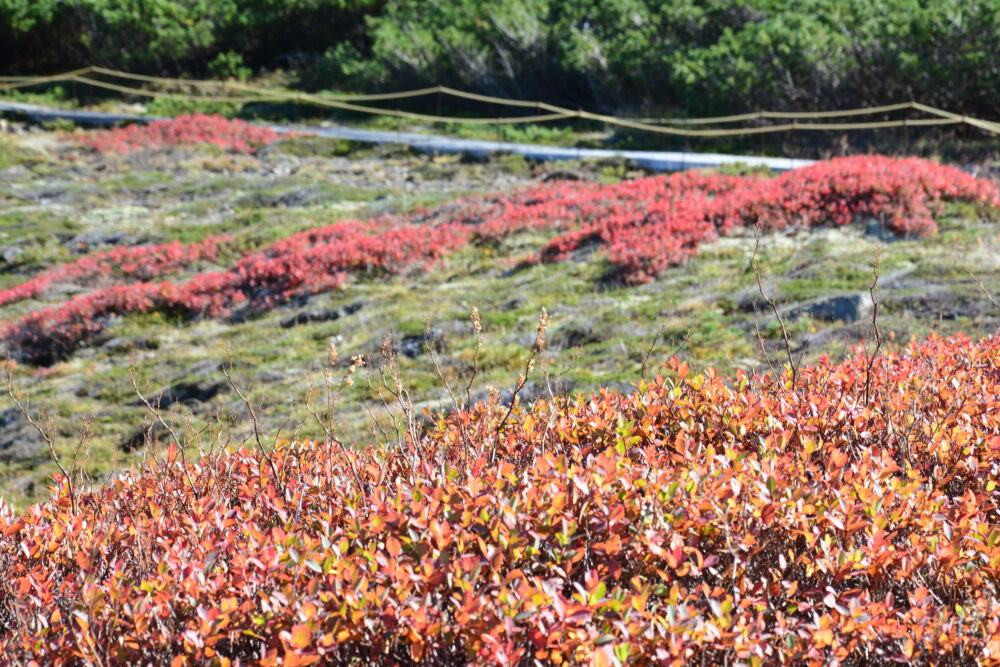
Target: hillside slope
{"points": [[617, 308]]}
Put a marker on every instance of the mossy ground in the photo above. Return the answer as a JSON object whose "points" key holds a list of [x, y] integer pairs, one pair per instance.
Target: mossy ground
{"points": [[56, 200]]}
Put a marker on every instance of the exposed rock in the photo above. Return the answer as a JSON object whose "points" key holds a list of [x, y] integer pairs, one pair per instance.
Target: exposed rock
{"points": [[878, 229], [127, 344], [896, 279], [414, 346], [19, 441], [940, 303], [202, 382], [47, 197], [750, 300], [203, 369], [291, 199], [562, 175], [23, 484], [151, 432], [84, 242], [190, 392], [320, 315], [846, 308], [10, 254]]}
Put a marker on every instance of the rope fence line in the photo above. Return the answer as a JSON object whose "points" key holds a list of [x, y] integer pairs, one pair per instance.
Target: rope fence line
{"points": [[760, 115], [306, 98], [246, 93]]}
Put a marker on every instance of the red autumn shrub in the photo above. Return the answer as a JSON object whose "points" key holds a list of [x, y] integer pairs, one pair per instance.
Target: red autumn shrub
{"points": [[702, 520], [646, 226], [135, 262], [304, 264], [232, 135], [648, 235]]}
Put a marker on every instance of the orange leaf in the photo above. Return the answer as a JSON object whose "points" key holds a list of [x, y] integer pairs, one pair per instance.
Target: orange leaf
{"points": [[603, 657], [393, 546], [823, 638], [301, 636], [295, 660]]}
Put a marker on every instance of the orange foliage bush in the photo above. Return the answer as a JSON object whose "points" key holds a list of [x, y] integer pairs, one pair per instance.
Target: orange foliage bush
{"points": [[702, 520]]}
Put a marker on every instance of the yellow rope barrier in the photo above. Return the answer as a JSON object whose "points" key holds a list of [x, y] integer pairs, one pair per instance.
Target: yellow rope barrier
{"points": [[762, 115], [321, 101], [24, 82], [233, 85], [245, 93]]}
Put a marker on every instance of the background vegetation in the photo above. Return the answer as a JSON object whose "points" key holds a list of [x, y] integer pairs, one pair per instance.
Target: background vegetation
{"points": [[705, 57]]}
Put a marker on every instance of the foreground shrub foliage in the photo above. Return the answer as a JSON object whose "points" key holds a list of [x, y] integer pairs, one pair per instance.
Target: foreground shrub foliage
{"points": [[645, 226], [852, 517]]}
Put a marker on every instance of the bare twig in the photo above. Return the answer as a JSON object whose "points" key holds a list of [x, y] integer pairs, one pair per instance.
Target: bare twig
{"points": [[334, 390], [133, 375], [985, 291], [649, 350], [763, 346], [154, 411], [879, 340], [429, 347], [390, 414], [477, 327], [398, 390], [774, 308], [685, 341], [227, 370], [328, 424], [86, 433], [537, 350], [376, 423], [22, 407], [458, 404]]}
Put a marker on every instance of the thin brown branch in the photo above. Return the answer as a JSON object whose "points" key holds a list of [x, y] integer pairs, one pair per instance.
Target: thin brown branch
{"points": [[154, 411], [22, 407], [477, 328], [774, 307], [879, 340], [986, 292], [537, 350], [227, 370]]}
